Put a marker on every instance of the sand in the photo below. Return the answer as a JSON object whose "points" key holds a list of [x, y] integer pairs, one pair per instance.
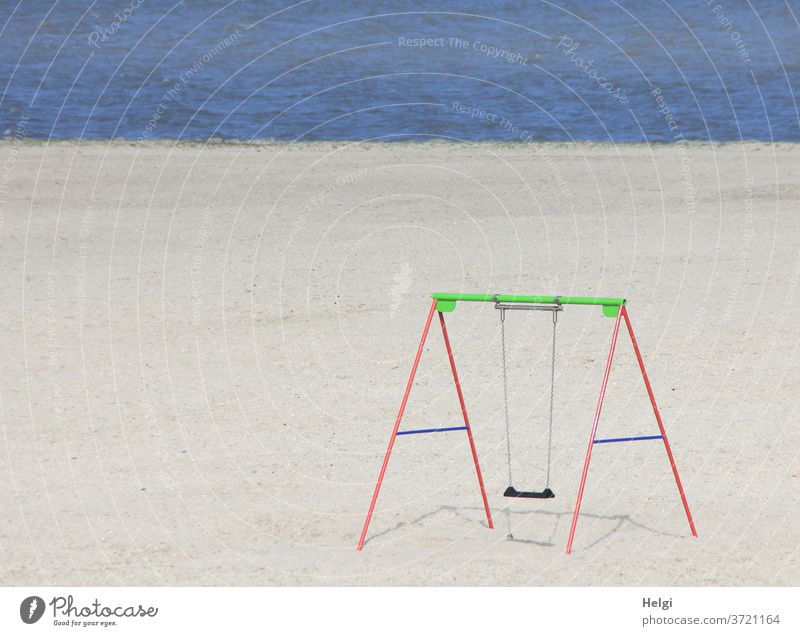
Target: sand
{"points": [[203, 349]]}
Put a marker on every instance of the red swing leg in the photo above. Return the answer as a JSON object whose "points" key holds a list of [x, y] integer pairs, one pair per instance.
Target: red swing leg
{"points": [[623, 313], [660, 423], [466, 420], [396, 425], [594, 431]]}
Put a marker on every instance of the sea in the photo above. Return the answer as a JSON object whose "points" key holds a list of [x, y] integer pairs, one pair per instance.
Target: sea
{"points": [[654, 71]]}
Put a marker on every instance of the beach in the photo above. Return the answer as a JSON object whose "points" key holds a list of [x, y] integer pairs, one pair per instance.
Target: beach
{"points": [[203, 348]]}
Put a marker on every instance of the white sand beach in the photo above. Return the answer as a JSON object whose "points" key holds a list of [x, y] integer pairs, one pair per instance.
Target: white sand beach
{"points": [[203, 348]]}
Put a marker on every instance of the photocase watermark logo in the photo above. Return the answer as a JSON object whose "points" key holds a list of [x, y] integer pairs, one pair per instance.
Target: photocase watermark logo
{"points": [[31, 609], [101, 34], [568, 48], [66, 613]]}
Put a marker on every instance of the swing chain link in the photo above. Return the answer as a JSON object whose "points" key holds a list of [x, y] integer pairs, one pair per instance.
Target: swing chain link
{"points": [[505, 390], [552, 397], [555, 311]]}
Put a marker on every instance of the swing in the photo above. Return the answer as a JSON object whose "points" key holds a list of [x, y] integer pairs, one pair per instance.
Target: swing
{"points": [[443, 303], [547, 493]]}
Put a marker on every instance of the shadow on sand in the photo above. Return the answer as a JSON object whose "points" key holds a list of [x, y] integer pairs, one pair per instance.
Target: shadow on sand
{"points": [[619, 522]]}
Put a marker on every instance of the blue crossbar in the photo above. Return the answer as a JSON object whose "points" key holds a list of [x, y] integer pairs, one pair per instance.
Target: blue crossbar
{"points": [[432, 430], [626, 439]]}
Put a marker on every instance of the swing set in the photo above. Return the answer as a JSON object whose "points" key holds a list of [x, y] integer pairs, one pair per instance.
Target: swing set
{"points": [[612, 308]]}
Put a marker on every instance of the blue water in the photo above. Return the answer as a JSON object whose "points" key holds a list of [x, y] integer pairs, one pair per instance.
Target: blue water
{"points": [[516, 71]]}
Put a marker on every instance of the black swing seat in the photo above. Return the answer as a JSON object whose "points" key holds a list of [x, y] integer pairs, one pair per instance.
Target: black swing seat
{"points": [[529, 494]]}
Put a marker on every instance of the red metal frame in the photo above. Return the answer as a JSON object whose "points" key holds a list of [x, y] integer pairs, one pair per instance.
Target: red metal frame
{"points": [[400, 417], [623, 314], [466, 421], [660, 423], [597, 410]]}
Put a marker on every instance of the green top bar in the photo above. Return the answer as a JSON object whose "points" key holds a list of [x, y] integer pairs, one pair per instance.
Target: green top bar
{"points": [[447, 302], [508, 298]]}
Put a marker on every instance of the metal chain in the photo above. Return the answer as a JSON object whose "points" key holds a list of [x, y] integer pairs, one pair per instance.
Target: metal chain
{"points": [[505, 395], [552, 395], [505, 390]]}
